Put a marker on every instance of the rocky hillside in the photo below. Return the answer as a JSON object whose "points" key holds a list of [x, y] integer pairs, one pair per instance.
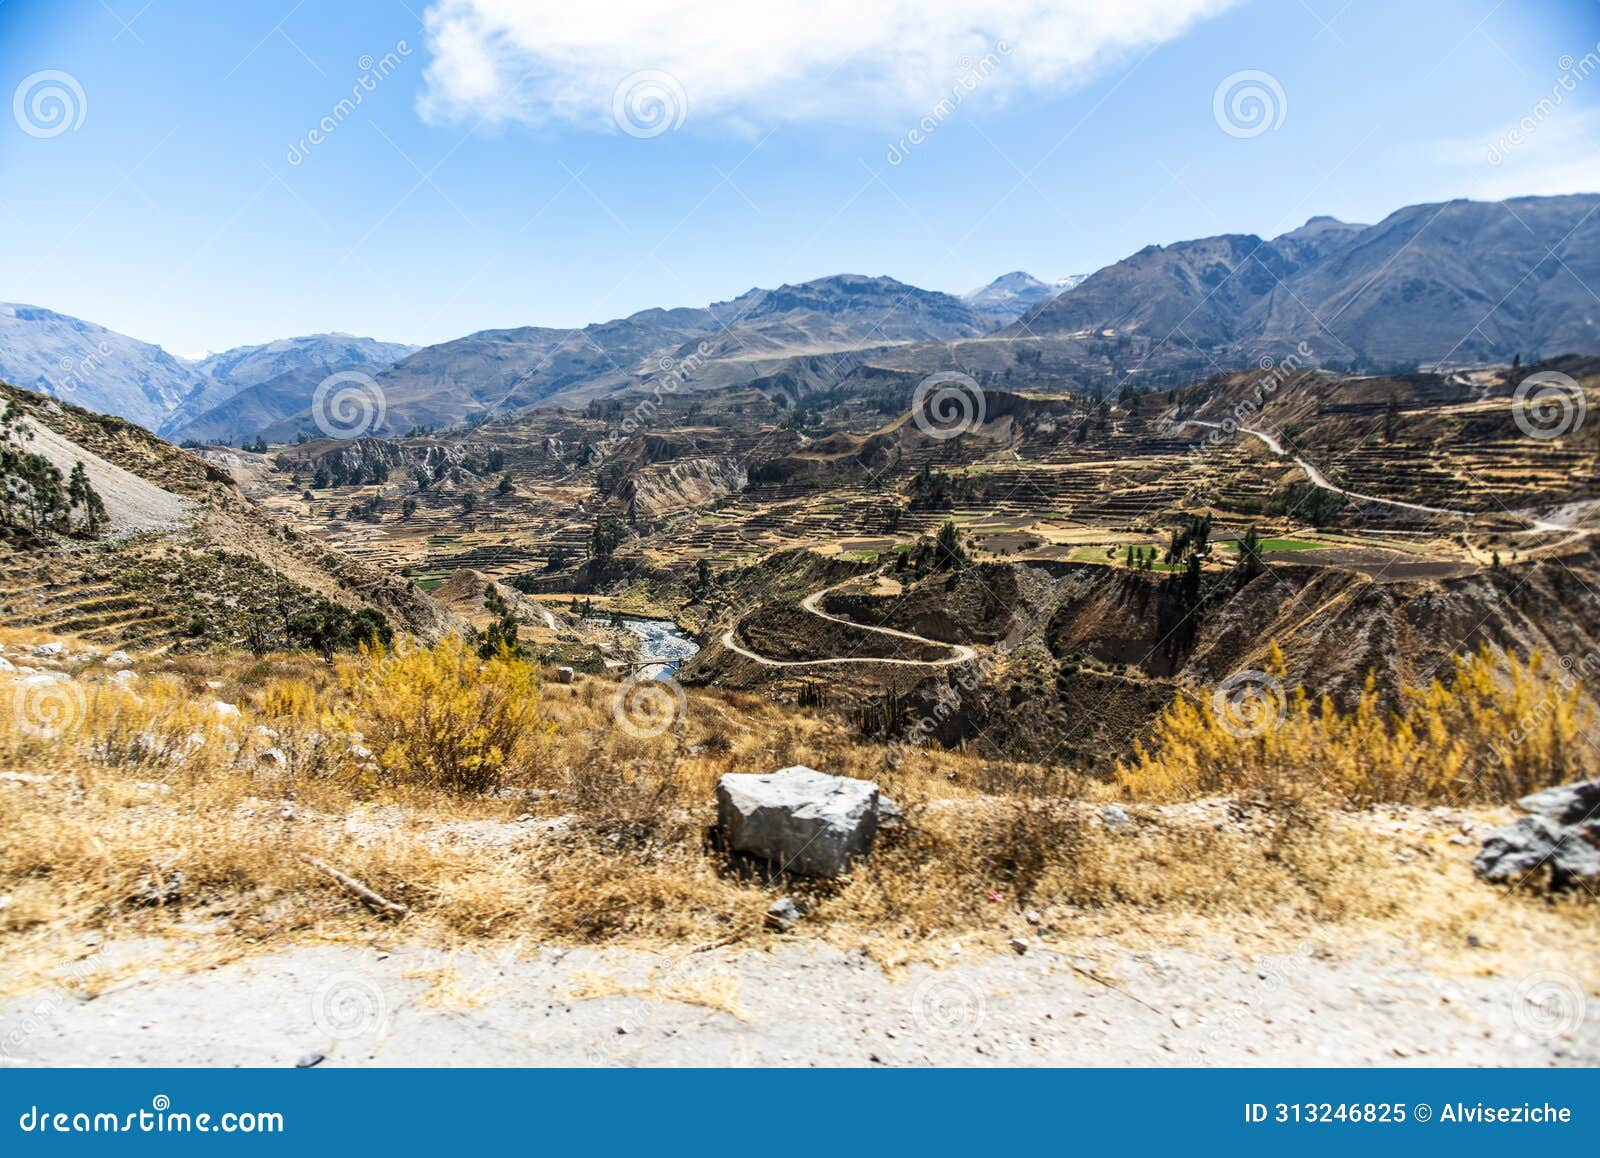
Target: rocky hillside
{"points": [[1463, 281], [1080, 658], [252, 387], [188, 561], [761, 333]]}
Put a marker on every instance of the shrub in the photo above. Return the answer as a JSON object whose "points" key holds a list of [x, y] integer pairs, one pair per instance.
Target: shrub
{"points": [[442, 717], [1499, 728]]}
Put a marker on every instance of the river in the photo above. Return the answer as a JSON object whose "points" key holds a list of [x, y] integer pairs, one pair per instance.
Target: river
{"points": [[659, 639]]}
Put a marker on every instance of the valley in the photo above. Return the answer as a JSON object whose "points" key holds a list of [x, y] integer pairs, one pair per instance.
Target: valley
{"points": [[1237, 662]]}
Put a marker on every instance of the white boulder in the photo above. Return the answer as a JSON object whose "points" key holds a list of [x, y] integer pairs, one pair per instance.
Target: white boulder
{"points": [[798, 819]]}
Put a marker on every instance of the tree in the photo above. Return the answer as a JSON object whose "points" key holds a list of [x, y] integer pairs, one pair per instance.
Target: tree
{"points": [[1312, 503], [501, 636], [1391, 416], [608, 533], [32, 488], [328, 627], [83, 497], [408, 507], [505, 487], [1249, 564], [947, 549]]}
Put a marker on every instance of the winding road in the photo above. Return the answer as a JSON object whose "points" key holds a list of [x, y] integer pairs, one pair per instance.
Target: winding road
{"points": [[1319, 479], [960, 652], [1536, 524]]}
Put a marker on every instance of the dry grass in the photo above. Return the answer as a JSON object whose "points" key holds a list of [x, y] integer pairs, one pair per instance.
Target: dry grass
{"points": [[154, 814]]}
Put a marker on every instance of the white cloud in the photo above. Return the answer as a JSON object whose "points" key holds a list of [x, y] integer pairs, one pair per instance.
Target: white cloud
{"points": [[1534, 155], [755, 63]]}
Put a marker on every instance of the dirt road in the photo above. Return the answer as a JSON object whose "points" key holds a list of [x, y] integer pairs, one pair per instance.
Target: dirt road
{"points": [[802, 1005], [959, 652]]}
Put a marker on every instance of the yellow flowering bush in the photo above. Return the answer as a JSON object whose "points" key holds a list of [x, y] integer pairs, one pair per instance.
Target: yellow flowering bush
{"points": [[443, 717], [1498, 728]]}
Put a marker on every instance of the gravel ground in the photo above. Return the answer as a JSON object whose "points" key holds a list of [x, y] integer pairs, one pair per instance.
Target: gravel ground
{"points": [[807, 1005]]}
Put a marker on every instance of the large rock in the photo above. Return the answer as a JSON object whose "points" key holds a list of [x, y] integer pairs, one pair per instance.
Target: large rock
{"points": [[1561, 838], [801, 820], [1568, 804]]}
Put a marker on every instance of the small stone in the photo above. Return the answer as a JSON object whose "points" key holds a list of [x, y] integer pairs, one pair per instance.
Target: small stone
{"points": [[119, 659], [783, 914], [225, 710], [1032, 917], [1020, 945], [307, 1060], [273, 756], [52, 650], [1115, 818]]}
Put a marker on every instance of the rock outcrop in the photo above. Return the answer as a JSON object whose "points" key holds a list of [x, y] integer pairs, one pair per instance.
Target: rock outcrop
{"points": [[1560, 838], [798, 819]]}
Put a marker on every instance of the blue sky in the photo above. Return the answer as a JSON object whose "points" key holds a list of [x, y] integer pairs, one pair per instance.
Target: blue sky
{"points": [[483, 181]]}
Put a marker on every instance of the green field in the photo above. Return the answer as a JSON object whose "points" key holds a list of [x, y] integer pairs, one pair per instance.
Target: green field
{"points": [[1279, 545]]}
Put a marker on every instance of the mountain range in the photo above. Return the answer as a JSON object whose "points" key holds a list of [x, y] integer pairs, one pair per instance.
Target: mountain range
{"points": [[1456, 282], [1462, 281], [1011, 295]]}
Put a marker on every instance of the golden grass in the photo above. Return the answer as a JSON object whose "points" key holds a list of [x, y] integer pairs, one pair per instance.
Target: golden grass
{"points": [[151, 813]]}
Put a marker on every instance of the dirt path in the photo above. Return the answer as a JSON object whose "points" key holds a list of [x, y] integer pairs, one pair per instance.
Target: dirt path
{"points": [[959, 652], [1318, 479], [803, 1005], [1536, 525]]}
